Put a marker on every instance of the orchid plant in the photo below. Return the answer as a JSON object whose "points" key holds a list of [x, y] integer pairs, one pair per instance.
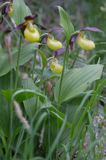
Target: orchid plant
{"points": [[44, 121]]}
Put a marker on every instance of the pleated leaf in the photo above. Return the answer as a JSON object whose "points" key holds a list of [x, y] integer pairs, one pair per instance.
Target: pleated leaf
{"points": [[27, 53], [76, 81]]}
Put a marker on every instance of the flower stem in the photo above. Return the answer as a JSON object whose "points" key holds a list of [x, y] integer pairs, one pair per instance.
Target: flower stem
{"points": [[75, 59], [33, 68], [18, 58], [62, 75]]}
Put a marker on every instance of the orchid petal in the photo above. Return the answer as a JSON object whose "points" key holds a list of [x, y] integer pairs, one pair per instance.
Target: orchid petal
{"points": [[30, 17], [19, 27], [73, 40], [41, 26], [56, 29], [91, 29], [5, 10], [58, 52]]}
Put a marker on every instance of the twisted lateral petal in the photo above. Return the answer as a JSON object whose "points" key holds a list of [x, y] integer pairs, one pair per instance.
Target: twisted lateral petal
{"points": [[73, 39], [58, 52], [57, 29], [30, 17], [28, 20], [91, 29]]}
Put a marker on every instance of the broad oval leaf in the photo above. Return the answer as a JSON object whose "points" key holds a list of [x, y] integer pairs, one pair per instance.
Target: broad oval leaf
{"points": [[76, 81], [27, 53]]}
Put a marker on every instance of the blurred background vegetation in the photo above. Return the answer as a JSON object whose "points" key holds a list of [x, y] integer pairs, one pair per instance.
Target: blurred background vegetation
{"points": [[83, 12]]}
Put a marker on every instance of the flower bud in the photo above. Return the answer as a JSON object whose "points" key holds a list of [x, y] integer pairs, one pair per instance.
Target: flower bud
{"points": [[31, 34], [56, 67], [85, 43], [53, 44]]}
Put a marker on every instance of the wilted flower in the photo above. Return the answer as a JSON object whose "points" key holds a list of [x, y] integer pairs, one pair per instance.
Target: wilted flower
{"points": [[81, 39]]}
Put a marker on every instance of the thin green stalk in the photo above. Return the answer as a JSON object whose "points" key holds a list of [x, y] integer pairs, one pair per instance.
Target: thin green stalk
{"points": [[33, 66], [32, 143], [18, 58], [61, 80], [66, 151], [55, 143], [11, 106], [92, 102], [76, 56], [10, 63], [62, 75], [19, 141], [49, 129], [11, 27], [8, 151]]}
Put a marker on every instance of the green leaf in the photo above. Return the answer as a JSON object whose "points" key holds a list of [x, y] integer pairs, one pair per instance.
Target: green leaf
{"points": [[5, 82], [66, 23], [59, 115], [5, 106], [24, 94], [4, 116], [20, 11], [27, 53], [7, 94], [44, 59], [30, 104], [21, 94], [76, 81], [58, 137]]}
